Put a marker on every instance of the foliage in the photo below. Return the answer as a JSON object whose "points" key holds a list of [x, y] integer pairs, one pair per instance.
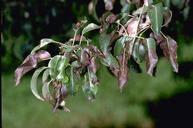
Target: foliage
{"points": [[125, 39]]}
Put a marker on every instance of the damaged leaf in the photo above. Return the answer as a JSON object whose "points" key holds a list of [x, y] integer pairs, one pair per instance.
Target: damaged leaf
{"points": [[29, 63]]}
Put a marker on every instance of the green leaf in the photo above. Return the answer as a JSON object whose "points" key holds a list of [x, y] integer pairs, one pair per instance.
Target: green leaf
{"points": [[34, 82], [138, 52], [89, 88], [155, 14], [119, 45], [110, 61], [43, 42], [152, 56], [104, 41], [53, 65], [90, 27], [45, 76]]}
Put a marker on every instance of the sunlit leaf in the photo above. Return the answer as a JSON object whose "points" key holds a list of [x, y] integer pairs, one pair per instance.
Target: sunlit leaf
{"points": [[34, 82], [155, 14]]}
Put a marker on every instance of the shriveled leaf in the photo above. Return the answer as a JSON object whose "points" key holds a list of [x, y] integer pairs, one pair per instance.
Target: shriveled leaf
{"points": [[152, 56], [95, 51], [167, 15], [84, 57], [104, 42], [46, 91], [92, 65], [155, 14], [90, 27], [123, 71], [111, 62], [169, 47], [34, 82], [29, 63]]}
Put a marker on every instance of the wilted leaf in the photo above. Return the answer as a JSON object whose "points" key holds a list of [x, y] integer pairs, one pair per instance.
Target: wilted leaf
{"points": [[29, 63], [46, 92], [123, 71], [90, 27], [53, 65], [152, 56], [95, 51], [104, 42], [92, 65], [155, 14], [89, 88], [34, 81], [138, 52], [169, 47], [167, 15]]}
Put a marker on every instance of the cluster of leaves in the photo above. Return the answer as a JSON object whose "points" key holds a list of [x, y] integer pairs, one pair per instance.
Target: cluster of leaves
{"points": [[124, 40]]}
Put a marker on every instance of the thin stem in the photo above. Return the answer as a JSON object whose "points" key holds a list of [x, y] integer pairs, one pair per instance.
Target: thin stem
{"points": [[75, 32]]}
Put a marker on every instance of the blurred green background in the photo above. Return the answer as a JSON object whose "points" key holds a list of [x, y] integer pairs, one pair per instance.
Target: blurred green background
{"points": [[145, 103]]}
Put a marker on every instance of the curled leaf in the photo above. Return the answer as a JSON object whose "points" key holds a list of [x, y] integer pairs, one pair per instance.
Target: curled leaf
{"points": [[132, 26], [34, 81], [151, 55], [90, 27], [29, 63], [167, 15], [169, 47], [46, 91]]}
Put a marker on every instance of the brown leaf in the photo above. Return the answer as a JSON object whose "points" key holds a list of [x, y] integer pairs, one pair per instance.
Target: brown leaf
{"points": [[123, 71], [167, 14], [109, 4], [29, 63], [169, 48], [92, 65]]}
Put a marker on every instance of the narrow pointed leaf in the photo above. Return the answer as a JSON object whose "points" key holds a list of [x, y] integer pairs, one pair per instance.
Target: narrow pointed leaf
{"points": [[152, 56], [29, 63], [46, 91], [53, 64], [34, 82], [167, 16], [155, 14], [90, 27], [43, 42]]}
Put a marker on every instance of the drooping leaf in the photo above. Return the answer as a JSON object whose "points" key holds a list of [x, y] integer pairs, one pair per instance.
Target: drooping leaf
{"points": [[43, 42], [151, 55], [34, 82], [167, 15], [104, 42], [92, 65], [90, 27], [53, 65], [123, 71], [89, 88], [95, 51], [155, 14], [119, 45], [84, 57], [138, 52], [29, 63], [169, 47], [46, 91]]}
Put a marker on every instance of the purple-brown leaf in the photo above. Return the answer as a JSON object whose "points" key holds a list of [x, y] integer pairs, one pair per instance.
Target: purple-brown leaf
{"points": [[29, 63], [123, 71], [169, 47], [152, 58]]}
